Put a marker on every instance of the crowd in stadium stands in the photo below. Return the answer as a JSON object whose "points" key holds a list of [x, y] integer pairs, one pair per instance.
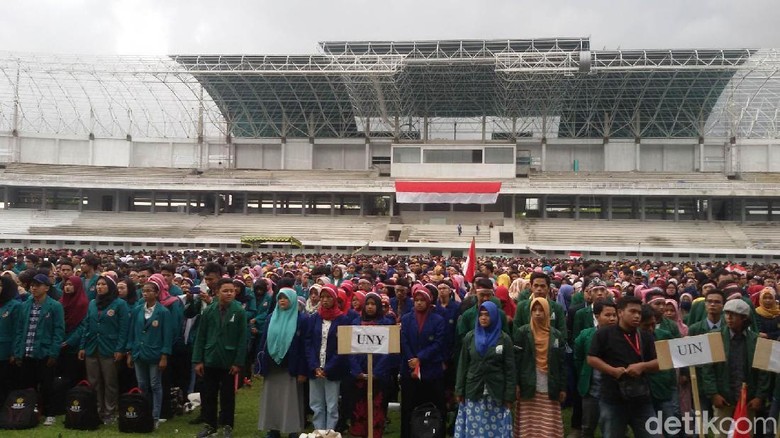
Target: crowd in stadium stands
{"points": [[497, 356]]}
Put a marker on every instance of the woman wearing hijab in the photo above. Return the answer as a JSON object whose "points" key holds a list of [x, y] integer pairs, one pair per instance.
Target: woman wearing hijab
{"points": [[422, 355], [75, 304], [672, 313], [564, 296], [541, 377], [485, 385], [9, 316], [508, 305], [372, 313], [283, 366], [768, 314], [313, 302], [326, 367], [103, 344]]}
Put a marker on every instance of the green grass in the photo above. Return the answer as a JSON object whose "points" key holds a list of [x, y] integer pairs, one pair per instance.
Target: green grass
{"points": [[247, 401]]}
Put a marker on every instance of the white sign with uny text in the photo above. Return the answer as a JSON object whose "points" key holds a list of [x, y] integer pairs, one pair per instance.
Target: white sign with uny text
{"points": [[370, 339]]}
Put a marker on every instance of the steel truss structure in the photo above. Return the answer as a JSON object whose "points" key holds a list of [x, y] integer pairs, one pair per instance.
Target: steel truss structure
{"points": [[540, 88]]}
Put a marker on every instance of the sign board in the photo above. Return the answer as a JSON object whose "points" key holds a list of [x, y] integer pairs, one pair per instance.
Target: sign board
{"points": [[369, 339], [767, 356], [690, 351]]}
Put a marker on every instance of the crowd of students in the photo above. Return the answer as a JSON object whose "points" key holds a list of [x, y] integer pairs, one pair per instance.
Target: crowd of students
{"points": [[501, 353]]}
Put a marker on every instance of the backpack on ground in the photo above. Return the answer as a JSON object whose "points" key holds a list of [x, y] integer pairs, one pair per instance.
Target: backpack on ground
{"points": [[135, 412], [81, 408], [426, 422], [19, 410]]}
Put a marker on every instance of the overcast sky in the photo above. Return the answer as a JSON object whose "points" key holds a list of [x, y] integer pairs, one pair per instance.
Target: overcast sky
{"points": [[295, 26]]}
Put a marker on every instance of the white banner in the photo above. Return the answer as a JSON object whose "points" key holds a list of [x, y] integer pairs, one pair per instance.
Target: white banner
{"points": [[445, 198], [370, 339]]}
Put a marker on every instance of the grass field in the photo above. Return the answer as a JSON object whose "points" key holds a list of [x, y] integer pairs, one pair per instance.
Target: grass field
{"points": [[247, 401]]}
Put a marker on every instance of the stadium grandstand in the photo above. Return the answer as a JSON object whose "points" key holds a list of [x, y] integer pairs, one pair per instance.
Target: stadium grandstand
{"points": [[538, 146]]}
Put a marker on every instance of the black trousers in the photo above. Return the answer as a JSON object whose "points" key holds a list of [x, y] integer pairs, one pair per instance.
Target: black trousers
{"points": [[70, 368], [9, 378], [35, 374], [218, 386], [416, 392]]}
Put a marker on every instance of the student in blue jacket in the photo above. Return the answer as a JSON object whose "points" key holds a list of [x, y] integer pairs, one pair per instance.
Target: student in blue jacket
{"points": [[40, 330], [283, 366], [422, 356], [10, 309], [326, 366], [103, 344], [149, 344], [371, 314]]}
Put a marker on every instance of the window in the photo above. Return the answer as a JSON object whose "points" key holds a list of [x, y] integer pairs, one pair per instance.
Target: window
{"points": [[452, 156], [495, 155], [406, 154]]}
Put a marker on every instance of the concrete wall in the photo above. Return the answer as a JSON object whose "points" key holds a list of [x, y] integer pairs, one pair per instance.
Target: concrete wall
{"points": [[298, 154], [339, 156], [258, 156], [452, 171], [561, 156]]}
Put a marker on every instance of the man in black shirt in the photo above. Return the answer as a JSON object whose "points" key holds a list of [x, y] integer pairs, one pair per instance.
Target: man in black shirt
{"points": [[624, 355]]}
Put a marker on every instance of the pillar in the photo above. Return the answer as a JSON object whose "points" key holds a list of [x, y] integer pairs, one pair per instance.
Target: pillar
{"points": [[576, 207], [80, 196], [43, 198], [273, 204], [514, 205], [676, 209], [709, 209], [333, 204], [217, 200], [742, 213], [153, 202], [303, 204], [362, 205], [283, 149], [188, 197], [701, 155], [117, 194], [391, 209], [609, 208], [641, 208], [769, 210], [246, 202], [544, 154], [543, 206], [637, 156]]}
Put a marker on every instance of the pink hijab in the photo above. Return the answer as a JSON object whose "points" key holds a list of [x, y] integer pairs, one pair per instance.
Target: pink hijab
{"points": [[165, 298], [678, 317]]}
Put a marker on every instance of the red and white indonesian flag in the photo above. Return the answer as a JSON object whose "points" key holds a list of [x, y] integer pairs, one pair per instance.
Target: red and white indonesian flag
{"points": [[471, 262], [447, 192]]}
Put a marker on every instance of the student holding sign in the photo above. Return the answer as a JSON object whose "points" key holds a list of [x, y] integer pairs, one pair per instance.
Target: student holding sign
{"points": [[722, 381], [623, 355]]}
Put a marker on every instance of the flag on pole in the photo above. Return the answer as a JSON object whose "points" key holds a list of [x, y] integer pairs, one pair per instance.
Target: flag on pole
{"points": [[471, 262], [741, 426]]}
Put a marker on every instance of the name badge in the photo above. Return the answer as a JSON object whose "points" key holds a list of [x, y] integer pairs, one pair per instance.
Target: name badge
{"points": [[155, 323], [499, 349], [552, 316], [110, 312], [555, 343]]}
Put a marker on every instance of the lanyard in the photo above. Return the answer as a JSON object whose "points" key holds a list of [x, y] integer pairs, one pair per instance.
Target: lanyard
{"points": [[634, 344]]}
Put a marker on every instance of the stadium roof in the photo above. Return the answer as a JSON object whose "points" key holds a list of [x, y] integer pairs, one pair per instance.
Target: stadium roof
{"points": [[554, 87]]}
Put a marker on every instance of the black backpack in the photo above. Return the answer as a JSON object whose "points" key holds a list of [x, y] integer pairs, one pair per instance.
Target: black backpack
{"points": [[135, 412], [19, 410], [426, 422], [82, 409]]}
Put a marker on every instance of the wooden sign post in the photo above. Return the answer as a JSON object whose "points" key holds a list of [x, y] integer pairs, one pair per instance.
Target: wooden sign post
{"points": [[767, 358], [369, 340], [689, 352]]}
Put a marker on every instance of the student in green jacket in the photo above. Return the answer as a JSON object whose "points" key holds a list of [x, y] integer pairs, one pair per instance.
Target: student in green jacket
{"points": [[594, 292], [540, 288], [722, 382], [149, 344], [218, 355], [714, 317], [10, 309], [485, 382], [589, 382], [103, 344], [40, 330], [467, 321], [540, 373]]}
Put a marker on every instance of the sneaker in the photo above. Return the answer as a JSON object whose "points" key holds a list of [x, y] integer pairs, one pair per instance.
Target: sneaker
{"points": [[207, 431], [156, 424], [49, 421], [227, 432]]}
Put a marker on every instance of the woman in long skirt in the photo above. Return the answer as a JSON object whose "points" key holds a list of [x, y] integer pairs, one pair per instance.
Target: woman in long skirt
{"points": [[283, 366], [485, 384], [541, 376]]}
